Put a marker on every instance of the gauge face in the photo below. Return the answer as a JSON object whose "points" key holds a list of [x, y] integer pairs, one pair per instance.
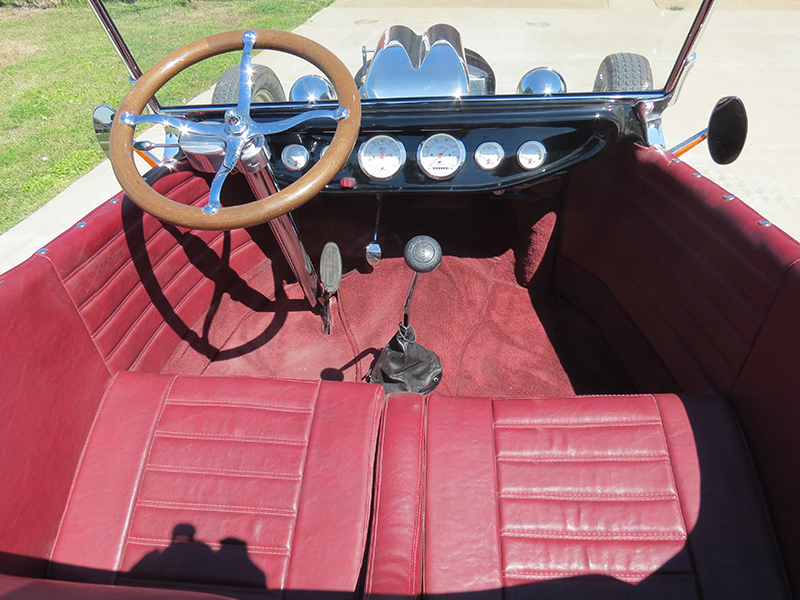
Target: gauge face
{"points": [[440, 156], [489, 155], [531, 155], [381, 157], [295, 157]]}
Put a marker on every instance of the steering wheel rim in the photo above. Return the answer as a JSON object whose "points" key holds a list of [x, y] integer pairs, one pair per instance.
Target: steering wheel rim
{"points": [[263, 209]]}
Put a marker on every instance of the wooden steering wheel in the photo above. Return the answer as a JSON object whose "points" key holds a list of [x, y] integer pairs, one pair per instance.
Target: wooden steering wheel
{"points": [[236, 131]]}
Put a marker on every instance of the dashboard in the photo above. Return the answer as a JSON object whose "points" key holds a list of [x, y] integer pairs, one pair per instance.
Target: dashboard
{"points": [[453, 151], [448, 145]]}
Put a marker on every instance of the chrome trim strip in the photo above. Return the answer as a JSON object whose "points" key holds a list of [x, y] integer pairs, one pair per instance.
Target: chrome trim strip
{"points": [[689, 45]]}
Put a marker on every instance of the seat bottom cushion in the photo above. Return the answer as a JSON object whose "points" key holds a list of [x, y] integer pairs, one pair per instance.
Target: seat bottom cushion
{"points": [[573, 497], [258, 484]]}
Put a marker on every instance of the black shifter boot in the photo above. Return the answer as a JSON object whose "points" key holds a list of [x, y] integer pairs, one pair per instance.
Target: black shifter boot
{"points": [[406, 366]]}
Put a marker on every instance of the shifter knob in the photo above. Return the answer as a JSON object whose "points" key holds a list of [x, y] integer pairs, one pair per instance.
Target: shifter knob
{"points": [[423, 254]]}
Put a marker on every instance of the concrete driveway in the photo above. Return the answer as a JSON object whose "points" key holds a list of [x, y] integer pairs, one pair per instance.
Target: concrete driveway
{"points": [[750, 49]]}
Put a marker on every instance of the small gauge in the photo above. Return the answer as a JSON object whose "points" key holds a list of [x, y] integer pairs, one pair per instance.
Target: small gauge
{"points": [[324, 150], [440, 156], [489, 155], [381, 157], [531, 155], [295, 157]]}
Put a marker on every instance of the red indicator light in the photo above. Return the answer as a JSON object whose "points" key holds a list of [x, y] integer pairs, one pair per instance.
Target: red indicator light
{"points": [[348, 183]]}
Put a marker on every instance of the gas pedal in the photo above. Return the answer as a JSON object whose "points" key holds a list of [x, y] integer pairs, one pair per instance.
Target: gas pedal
{"points": [[330, 268]]}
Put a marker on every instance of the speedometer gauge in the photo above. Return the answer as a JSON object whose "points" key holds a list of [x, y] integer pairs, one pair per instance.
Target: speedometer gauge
{"points": [[381, 157], [440, 156]]}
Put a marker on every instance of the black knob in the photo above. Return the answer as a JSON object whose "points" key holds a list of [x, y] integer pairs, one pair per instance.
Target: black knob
{"points": [[423, 254]]}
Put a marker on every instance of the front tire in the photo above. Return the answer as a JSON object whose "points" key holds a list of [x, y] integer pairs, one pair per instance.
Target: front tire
{"points": [[266, 86], [624, 72]]}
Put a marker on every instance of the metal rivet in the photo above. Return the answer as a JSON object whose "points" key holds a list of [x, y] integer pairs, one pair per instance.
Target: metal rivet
{"points": [[764, 223], [676, 160], [81, 224], [114, 200], [696, 175], [729, 197], [42, 251]]}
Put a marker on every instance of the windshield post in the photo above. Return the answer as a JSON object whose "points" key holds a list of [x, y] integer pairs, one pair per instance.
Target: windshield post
{"points": [[122, 48]]}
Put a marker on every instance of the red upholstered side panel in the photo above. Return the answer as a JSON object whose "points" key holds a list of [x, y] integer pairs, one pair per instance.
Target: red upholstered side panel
{"points": [[767, 401], [695, 272], [51, 381], [395, 556], [140, 285], [462, 539]]}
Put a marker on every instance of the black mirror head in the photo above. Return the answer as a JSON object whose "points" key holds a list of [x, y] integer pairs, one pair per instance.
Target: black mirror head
{"points": [[727, 130]]}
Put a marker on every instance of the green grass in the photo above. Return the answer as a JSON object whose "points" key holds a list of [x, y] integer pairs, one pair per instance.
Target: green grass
{"points": [[56, 65]]}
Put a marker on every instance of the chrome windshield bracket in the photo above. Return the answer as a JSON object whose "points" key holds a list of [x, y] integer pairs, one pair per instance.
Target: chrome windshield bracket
{"points": [[649, 113]]}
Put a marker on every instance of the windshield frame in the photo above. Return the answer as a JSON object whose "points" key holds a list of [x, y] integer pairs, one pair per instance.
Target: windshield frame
{"points": [[660, 98]]}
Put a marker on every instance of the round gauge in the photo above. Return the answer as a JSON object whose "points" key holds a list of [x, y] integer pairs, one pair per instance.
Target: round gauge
{"points": [[440, 156], [489, 155], [324, 150], [381, 157], [531, 155], [295, 157]]}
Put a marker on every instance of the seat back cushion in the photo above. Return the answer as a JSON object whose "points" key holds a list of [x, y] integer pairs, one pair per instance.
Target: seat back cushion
{"points": [[251, 483], [602, 497]]}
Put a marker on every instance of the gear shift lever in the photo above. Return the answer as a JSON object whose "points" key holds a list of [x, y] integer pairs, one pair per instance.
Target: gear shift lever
{"points": [[423, 254], [404, 365]]}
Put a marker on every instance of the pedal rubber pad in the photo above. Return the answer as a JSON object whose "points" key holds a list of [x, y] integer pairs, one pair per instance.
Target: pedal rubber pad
{"points": [[330, 268]]}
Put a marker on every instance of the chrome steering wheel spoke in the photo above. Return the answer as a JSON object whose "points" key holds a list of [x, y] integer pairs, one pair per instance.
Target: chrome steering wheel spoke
{"points": [[272, 127], [233, 152], [246, 73], [207, 128]]}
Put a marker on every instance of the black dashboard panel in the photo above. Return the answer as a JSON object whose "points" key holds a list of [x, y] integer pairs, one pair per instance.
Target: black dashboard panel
{"points": [[571, 131]]}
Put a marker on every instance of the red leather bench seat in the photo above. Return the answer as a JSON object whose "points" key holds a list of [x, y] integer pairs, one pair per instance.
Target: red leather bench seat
{"points": [[239, 483], [575, 497]]}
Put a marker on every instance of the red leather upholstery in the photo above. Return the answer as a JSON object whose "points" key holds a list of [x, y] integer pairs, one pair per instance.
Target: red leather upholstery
{"points": [[395, 559], [21, 588], [49, 393], [553, 497], [140, 286], [766, 401], [695, 273], [256, 483]]}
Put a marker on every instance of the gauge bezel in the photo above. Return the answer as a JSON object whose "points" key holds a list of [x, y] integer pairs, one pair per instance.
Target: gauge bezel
{"points": [[499, 146], [286, 162], [531, 143], [427, 141], [403, 157]]}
